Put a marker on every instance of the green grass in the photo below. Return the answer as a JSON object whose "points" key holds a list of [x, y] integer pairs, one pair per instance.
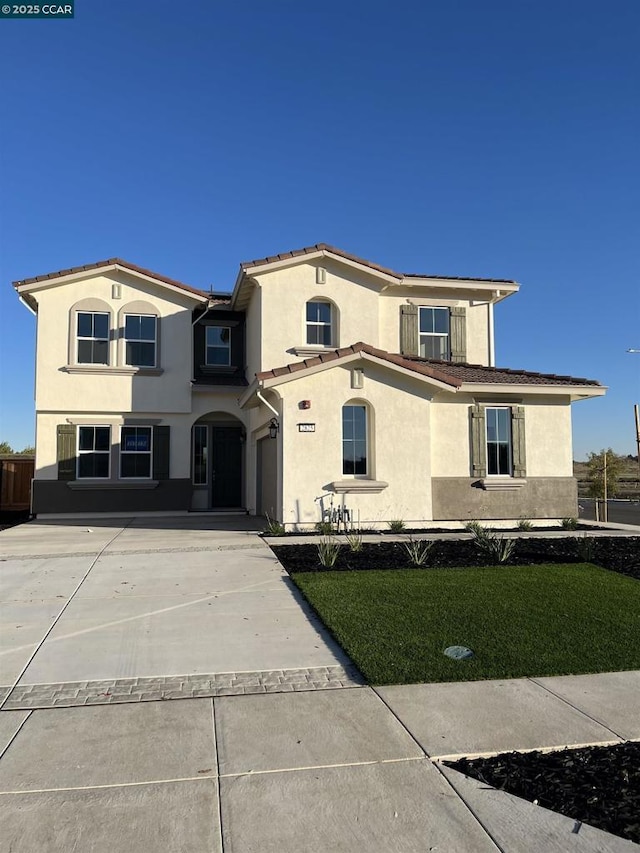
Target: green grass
{"points": [[530, 620]]}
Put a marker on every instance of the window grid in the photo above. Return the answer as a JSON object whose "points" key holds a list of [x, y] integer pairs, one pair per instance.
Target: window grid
{"points": [[93, 452], [319, 324], [136, 447], [218, 346], [140, 340], [354, 439], [92, 332], [434, 333], [499, 455], [200, 454]]}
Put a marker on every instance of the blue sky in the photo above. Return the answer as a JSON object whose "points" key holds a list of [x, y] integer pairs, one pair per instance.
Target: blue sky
{"points": [[462, 138]]}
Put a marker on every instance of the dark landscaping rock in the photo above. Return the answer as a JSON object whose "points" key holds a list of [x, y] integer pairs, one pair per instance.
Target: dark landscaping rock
{"points": [[598, 785]]}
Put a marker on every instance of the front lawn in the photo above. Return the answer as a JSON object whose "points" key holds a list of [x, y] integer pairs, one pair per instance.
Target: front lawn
{"points": [[519, 620]]}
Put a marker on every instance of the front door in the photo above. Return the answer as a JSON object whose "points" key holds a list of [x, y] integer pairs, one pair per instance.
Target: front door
{"points": [[226, 467]]}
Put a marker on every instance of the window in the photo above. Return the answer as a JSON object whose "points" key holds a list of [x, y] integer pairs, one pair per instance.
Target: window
{"points": [[200, 454], [94, 448], [434, 333], [354, 439], [140, 340], [135, 452], [498, 441], [93, 337], [218, 346], [319, 324]]}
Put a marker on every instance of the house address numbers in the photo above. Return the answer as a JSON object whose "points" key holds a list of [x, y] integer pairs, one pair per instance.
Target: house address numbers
{"points": [[306, 427]]}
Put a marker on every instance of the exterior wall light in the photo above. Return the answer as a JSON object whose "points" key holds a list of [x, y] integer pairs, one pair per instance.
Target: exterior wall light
{"points": [[274, 427]]}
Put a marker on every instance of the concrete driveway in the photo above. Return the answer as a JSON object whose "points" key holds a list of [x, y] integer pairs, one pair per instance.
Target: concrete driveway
{"points": [[103, 623], [154, 605]]}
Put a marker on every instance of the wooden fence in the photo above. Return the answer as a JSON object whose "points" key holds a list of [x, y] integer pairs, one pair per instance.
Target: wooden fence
{"points": [[16, 473]]}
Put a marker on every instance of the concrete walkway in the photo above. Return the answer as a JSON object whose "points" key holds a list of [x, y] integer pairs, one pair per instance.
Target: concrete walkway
{"points": [[286, 766]]}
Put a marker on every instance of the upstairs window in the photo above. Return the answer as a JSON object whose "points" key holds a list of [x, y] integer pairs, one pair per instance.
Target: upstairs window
{"points": [[320, 324], [135, 452], [218, 346], [93, 337], [140, 340], [354, 439], [94, 450], [434, 333], [499, 453]]}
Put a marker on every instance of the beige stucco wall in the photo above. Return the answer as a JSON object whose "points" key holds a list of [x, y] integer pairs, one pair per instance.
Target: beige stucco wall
{"points": [[367, 309], [399, 445], [57, 389], [547, 436]]}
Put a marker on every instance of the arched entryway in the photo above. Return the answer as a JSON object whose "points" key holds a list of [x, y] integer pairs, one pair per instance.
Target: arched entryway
{"points": [[217, 462]]}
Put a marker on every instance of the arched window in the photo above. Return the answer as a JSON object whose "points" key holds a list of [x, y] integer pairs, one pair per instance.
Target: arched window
{"points": [[321, 323], [90, 332], [355, 439], [139, 335]]}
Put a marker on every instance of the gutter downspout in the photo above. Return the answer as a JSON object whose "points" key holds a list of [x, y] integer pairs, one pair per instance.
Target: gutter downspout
{"points": [[267, 403], [492, 342], [197, 320], [26, 305]]}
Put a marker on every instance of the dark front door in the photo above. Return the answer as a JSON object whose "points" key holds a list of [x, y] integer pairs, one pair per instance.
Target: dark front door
{"points": [[226, 467]]}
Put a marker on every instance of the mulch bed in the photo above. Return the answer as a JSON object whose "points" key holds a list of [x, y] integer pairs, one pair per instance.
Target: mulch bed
{"points": [[597, 785], [619, 554]]}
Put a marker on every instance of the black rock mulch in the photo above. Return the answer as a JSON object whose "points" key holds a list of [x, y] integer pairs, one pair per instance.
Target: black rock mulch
{"points": [[620, 554], [598, 785]]}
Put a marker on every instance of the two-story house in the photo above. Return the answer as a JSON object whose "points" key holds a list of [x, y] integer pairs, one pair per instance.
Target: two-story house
{"points": [[322, 382]]}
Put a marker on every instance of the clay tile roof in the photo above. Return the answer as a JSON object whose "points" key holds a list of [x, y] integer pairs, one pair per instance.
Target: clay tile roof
{"points": [[333, 355], [111, 262], [500, 375], [325, 247]]}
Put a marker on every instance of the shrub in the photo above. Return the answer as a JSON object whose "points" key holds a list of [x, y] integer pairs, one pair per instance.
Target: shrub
{"points": [[494, 545], [475, 528], [274, 528], [524, 524], [396, 525], [418, 550], [569, 524], [325, 528], [584, 546], [328, 550]]}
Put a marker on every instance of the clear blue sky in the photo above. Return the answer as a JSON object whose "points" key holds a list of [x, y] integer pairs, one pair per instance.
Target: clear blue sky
{"points": [[493, 138]]}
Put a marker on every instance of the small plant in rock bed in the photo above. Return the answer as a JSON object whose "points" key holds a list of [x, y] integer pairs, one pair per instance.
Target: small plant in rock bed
{"points": [[584, 549], [325, 528], [524, 524], [494, 545], [328, 550], [274, 528], [418, 550], [396, 525], [569, 524], [354, 539]]}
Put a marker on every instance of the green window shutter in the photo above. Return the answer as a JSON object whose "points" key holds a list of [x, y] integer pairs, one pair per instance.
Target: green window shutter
{"points": [[478, 442], [161, 450], [409, 330], [66, 451], [518, 442], [458, 332]]}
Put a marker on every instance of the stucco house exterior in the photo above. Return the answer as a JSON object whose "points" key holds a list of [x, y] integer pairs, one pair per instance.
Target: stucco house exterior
{"points": [[322, 384]]}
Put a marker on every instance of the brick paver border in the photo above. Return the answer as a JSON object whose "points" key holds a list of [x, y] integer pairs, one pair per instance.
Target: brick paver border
{"points": [[117, 690]]}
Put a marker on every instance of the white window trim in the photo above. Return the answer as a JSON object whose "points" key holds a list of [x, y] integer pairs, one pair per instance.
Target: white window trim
{"points": [[80, 453], [205, 427], [216, 346], [446, 335], [486, 443], [93, 338], [141, 341], [148, 453], [331, 325], [368, 469]]}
